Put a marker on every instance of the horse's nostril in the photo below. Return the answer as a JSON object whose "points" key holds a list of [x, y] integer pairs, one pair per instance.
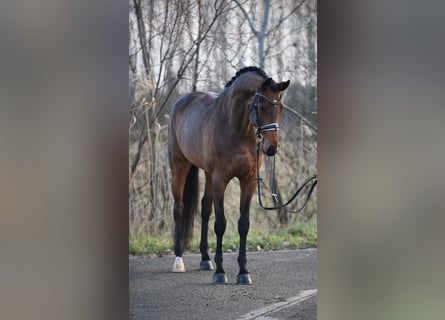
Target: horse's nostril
{"points": [[271, 151]]}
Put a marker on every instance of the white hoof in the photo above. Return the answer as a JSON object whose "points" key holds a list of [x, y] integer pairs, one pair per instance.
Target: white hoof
{"points": [[178, 266]]}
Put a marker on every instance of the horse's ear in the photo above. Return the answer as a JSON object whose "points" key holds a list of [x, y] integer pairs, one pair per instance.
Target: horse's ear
{"points": [[266, 83], [283, 85]]}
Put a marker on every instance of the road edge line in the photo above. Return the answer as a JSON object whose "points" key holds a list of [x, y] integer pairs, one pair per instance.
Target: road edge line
{"points": [[302, 296]]}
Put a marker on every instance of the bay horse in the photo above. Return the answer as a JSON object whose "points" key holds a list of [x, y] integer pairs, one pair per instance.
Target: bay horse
{"points": [[219, 134]]}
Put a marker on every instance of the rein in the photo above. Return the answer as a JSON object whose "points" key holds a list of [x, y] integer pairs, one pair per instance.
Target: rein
{"points": [[281, 205], [275, 127]]}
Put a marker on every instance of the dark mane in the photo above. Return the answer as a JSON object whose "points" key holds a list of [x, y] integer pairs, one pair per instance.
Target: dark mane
{"points": [[244, 70]]}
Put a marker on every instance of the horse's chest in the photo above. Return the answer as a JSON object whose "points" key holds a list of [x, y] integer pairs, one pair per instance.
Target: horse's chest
{"points": [[240, 165]]}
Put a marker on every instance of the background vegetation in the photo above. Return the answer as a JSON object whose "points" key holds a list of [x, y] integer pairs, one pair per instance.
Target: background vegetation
{"points": [[179, 46]]}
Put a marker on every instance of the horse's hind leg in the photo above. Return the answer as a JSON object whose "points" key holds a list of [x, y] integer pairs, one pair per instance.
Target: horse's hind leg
{"points": [[179, 176], [206, 210]]}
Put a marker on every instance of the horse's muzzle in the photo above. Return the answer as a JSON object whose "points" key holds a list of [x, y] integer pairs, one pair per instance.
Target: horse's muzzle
{"points": [[271, 151]]}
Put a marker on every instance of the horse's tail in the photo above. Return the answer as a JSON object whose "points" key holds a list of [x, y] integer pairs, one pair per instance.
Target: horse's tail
{"points": [[190, 198]]}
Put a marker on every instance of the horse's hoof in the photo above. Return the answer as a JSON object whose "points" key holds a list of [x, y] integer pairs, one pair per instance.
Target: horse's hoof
{"points": [[178, 266], [244, 279], [219, 278], [206, 265]]}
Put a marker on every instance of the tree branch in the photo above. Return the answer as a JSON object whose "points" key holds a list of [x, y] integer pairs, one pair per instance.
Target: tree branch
{"points": [[249, 21], [282, 19]]}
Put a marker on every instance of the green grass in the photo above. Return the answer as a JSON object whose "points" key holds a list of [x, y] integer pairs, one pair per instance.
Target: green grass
{"points": [[298, 236], [146, 244]]}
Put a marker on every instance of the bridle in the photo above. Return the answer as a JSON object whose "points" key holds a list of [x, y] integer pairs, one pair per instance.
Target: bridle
{"points": [[267, 127], [260, 138]]}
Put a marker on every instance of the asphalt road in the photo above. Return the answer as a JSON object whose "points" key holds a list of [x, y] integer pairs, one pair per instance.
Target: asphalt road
{"points": [[284, 287]]}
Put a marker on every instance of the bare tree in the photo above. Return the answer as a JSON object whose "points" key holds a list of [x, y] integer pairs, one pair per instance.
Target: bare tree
{"points": [[169, 35], [263, 32], [178, 46]]}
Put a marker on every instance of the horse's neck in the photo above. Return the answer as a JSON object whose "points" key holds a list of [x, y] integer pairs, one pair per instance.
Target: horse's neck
{"points": [[239, 97], [234, 102], [238, 110]]}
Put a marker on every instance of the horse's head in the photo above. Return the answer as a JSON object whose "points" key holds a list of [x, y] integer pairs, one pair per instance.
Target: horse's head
{"points": [[264, 114]]}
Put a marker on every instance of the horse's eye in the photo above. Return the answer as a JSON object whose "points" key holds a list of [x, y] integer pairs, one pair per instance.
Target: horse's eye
{"points": [[262, 108]]}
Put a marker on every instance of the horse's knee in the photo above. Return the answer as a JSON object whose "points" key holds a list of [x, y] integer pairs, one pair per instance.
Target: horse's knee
{"points": [[220, 225]]}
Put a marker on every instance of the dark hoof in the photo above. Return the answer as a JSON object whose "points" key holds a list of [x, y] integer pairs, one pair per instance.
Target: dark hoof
{"points": [[244, 279], [219, 278], [206, 265]]}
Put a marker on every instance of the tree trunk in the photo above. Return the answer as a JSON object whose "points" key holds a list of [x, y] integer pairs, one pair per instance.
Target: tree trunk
{"points": [[262, 33]]}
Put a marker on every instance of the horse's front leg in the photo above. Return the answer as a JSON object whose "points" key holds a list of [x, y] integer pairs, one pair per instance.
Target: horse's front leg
{"points": [[247, 190], [218, 189]]}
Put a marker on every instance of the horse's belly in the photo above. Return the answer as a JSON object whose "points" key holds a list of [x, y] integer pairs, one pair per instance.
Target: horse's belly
{"points": [[194, 156]]}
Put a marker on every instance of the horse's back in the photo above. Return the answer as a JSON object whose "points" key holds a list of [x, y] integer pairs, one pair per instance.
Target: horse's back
{"points": [[194, 100]]}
